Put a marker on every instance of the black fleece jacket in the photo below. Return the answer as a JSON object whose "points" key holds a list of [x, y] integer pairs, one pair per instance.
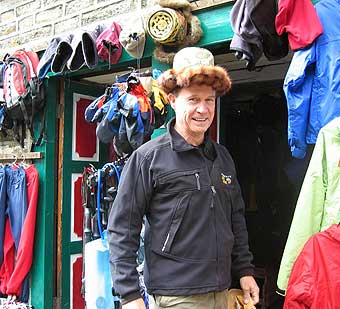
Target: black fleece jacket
{"points": [[195, 234]]}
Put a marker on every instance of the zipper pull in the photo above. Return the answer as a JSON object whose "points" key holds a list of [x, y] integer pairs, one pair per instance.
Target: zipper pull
{"points": [[166, 241], [214, 193], [198, 181]]}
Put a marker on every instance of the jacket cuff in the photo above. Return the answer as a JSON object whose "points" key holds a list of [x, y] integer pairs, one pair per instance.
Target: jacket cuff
{"points": [[299, 153], [246, 272], [130, 297]]}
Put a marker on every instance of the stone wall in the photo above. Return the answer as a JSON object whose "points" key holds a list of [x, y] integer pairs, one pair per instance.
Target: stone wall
{"points": [[31, 24]]}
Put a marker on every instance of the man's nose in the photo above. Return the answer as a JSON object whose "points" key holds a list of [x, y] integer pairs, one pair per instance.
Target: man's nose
{"points": [[202, 107]]}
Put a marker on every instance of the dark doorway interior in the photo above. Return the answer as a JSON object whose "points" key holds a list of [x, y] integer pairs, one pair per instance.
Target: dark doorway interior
{"points": [[253, 127]]}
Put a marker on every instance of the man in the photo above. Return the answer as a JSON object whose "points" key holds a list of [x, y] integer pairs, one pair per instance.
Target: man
{"points": [[185, 184]]}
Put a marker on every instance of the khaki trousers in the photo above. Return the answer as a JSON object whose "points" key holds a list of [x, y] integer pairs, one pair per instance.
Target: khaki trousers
{"points": [[213, 300]]}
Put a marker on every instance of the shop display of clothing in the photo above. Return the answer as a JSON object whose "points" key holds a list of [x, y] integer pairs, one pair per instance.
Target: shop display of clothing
{"points": [[314, 282], [317, 207], [312, 82], [18, 216]]}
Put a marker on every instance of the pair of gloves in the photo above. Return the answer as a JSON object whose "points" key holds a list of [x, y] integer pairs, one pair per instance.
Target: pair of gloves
{"points": [[235, 300]]}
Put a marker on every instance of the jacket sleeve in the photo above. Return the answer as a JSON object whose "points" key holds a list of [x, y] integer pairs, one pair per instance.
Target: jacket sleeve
{"points": [[300, 287], [297, 86], [124, 226], [309, 211], [241, 256]]}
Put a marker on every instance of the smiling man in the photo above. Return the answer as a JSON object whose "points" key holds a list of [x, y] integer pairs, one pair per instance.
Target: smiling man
{"points": [[185, 184]]}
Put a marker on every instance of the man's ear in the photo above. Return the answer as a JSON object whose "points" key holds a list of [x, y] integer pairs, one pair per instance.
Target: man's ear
{"points": [[172, 100]]}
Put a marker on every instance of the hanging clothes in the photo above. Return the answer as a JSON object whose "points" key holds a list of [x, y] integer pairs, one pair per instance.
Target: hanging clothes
{"points": [[247, 39], [253, 23], [318, 205], [24, 254], [300, 20], [312, 82], [20, 205], [314, 282]]}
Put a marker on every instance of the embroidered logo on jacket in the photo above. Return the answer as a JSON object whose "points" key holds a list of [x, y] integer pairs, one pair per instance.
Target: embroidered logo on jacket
{"points": [[226, 179]]}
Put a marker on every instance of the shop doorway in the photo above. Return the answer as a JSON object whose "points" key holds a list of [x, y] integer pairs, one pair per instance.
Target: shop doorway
{"points": [[253, 127]]}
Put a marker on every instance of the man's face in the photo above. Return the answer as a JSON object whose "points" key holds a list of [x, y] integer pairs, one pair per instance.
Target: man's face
{"points": [[195, 109]]}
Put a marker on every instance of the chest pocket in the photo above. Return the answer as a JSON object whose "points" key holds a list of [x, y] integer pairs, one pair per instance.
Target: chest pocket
{"points": [[179, 181], [225, 184]]}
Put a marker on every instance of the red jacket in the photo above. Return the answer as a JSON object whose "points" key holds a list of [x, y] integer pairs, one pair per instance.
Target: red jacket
{"points": [[315, 280], [16, 265], [299, 19]]}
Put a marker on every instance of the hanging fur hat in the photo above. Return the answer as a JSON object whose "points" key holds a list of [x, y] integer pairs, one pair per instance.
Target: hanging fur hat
{"points": [[178, 27], [166, 54]]}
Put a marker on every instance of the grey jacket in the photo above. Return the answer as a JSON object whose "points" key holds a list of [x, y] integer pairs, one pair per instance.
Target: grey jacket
{"points": [[195, 230]]}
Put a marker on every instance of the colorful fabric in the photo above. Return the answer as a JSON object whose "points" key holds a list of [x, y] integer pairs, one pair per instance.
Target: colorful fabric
{"points": [[108, 45], [21, 203], [24, 253], [300, 20], [314, 281], [317, 207], [312, 82]]}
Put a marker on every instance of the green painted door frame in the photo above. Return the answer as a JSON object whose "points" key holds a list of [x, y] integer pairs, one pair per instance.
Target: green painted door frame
{"points": [[215, 23], [42, 272]]}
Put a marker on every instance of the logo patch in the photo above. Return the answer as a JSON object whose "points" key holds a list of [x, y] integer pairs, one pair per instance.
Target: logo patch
{"points": [[226, 179]]}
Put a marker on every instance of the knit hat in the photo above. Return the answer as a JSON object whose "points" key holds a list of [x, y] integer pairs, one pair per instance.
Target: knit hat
{"points": [[56, 55], [132, 38], [195, 65], [108, 45], [84, 48]]}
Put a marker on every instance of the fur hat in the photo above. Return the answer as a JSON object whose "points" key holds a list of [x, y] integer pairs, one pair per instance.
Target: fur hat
{"points": [[195, 65]]}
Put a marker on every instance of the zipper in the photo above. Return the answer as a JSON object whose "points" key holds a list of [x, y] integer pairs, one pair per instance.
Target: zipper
{"points": [[176, 174], [198, 181], [213, 196], [166, 241]]}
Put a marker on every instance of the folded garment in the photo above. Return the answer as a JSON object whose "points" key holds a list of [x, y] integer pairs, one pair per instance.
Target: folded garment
{"points": [[108, 45], [84, 48], [55, 56]]}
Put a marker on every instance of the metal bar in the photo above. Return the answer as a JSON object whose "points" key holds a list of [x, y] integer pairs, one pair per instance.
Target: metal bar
{"points": [[26, 155]]}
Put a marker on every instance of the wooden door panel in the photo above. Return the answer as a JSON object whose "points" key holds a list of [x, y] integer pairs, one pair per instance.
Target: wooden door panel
{"points": [[80, 147]]}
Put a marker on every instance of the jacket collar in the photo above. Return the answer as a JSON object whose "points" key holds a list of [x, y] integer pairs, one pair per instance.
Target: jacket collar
{"points": [[334, 231], [179, 144]]}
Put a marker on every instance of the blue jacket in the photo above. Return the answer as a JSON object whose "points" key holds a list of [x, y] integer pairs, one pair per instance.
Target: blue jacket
{"points": [[312, 83]]}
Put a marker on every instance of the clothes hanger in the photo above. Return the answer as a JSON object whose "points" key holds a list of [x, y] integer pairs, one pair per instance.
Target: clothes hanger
{"points": [[23, 163], [14, 163]]}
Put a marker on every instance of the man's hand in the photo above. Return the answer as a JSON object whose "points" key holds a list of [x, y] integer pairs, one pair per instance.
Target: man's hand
{"points": [[250, 289], [135, 304]]}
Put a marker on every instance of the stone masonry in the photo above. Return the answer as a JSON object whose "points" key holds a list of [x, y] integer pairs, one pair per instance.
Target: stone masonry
{"points": [[32, 23]]}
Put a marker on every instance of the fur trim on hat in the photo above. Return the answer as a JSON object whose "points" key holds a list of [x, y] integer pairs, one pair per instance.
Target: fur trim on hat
{"points": [[214, 76], [184, 5]]}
